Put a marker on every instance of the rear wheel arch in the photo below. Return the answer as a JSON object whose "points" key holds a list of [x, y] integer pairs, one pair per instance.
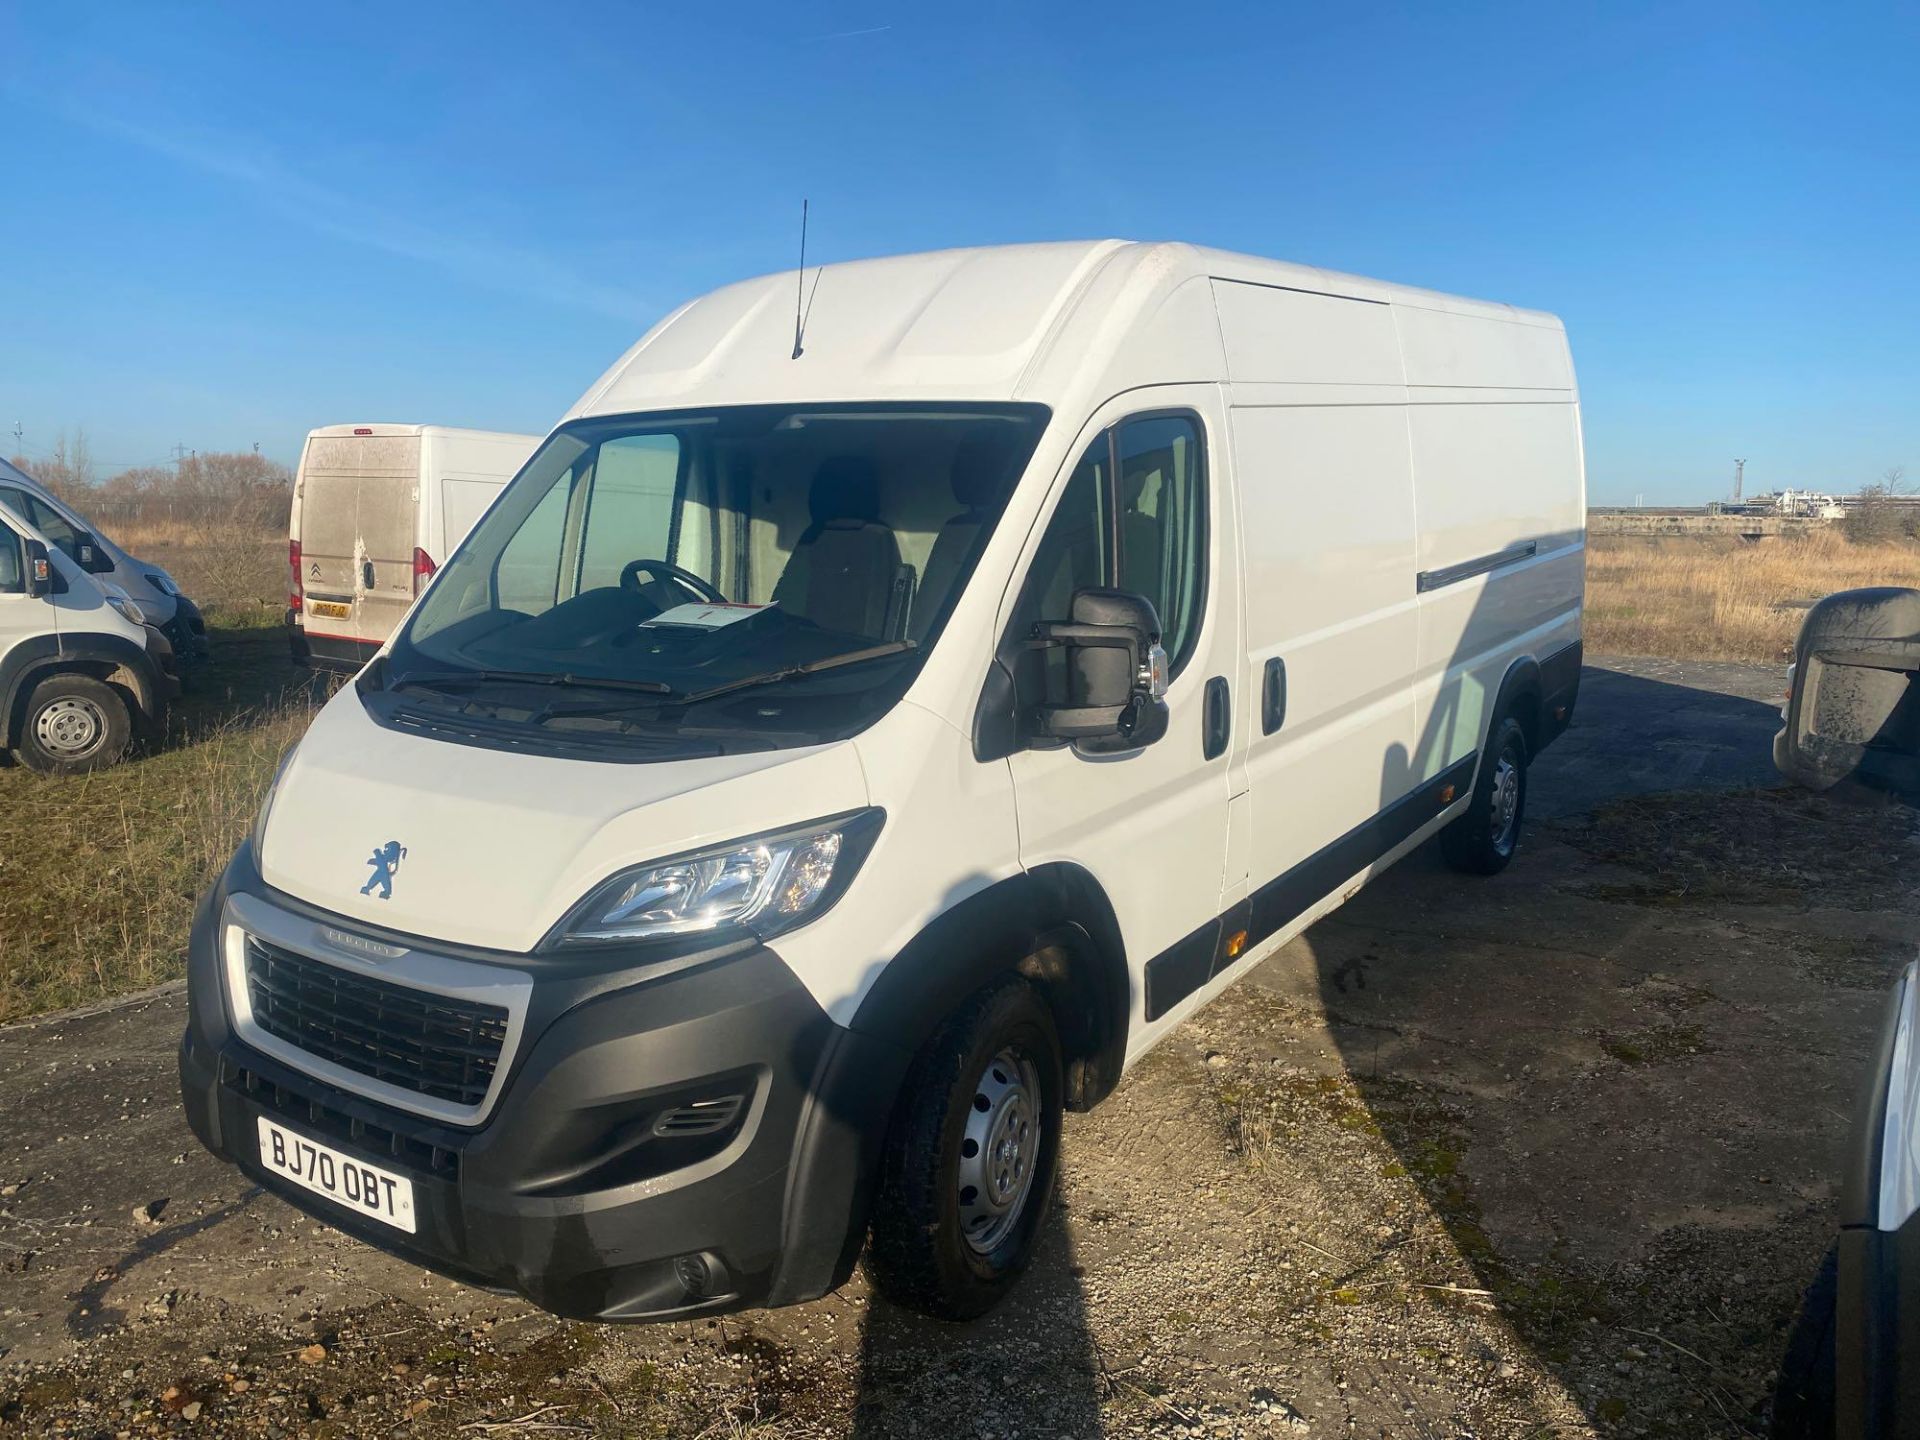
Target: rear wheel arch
{"points": [[1521, 695], [1054, 926]]}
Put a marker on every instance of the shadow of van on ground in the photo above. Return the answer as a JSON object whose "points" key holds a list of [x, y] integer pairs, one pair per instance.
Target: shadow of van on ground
{"points": [[1027, 1368], [1621, 1072]]}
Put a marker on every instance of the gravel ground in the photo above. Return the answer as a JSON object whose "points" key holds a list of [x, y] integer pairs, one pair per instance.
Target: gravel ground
{"points": [[1547, 1155]]}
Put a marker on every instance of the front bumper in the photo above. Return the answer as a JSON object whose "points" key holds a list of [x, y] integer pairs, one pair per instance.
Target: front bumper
{"points": [[339, 653], [166, 669], [568, 1193], [187, 632]]}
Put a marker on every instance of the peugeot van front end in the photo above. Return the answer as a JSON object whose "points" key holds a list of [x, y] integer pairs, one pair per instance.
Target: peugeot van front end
{"points": [[544, 964]]}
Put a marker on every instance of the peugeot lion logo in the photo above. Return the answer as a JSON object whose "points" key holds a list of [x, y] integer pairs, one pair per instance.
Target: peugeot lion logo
{"points": [[386, 864]]}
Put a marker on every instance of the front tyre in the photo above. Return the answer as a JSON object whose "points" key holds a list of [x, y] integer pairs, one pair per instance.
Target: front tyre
{"points": [[968, 1170], [1483, 838], [72, 724]]}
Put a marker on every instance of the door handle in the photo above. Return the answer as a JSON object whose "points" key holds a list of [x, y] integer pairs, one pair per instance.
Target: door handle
{"points": [[366, 574], [1273, 696], [1219, 718]]}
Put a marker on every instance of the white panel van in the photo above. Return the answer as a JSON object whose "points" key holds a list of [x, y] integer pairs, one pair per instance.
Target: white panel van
{"points": [[376, 509], [838, 753], [162, 603], [83, 671]]}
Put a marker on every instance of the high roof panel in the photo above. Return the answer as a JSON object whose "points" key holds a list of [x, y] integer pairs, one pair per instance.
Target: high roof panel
{"points": [[987, 323]]}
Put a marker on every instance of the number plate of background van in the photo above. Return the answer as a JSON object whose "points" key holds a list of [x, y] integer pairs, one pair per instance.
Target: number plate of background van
{"points": [[329, 609], [349, 1182]]}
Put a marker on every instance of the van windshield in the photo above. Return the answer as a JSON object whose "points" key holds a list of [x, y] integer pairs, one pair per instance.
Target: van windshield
{"points": [[767, 568]]}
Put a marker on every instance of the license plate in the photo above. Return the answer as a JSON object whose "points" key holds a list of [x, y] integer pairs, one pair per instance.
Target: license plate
{"points": [[331, 610], [360, 1187]]}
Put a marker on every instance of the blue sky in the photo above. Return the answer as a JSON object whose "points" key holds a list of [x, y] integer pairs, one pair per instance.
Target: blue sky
{"points": [[229, 226]]}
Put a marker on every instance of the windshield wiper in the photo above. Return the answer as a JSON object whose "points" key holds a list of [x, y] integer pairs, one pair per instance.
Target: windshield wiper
{"points": [[439, 679], [808, 667], [727, 687]]}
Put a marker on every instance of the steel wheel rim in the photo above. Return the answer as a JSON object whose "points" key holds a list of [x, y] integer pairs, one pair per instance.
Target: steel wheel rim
{"points": [[999, 1150], [1506, 803], [72, 727]]}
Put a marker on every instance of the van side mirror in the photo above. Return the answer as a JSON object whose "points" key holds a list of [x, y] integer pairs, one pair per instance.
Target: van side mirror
{"points": [[39, 569], [87, 551], [1116, 674]]}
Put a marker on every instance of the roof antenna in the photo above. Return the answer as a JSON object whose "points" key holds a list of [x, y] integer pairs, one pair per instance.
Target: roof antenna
{"points": [[802, 300]]}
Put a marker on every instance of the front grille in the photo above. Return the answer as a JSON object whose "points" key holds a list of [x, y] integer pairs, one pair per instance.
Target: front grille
{"points": [[310, 1112], [414, 1039]]}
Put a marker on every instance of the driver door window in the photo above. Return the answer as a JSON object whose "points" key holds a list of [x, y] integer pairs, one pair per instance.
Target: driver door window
{"points": [[1133, 516], [13, 575]]}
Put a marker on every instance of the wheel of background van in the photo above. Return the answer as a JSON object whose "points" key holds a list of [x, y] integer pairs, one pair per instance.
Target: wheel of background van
{"points": [[72, 724], [1482, 840], [967, 1174]]}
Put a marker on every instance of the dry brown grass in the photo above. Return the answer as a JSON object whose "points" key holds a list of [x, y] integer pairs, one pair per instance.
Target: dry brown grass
{"points": [[1713, 599], [99, 873], [241, 582]]}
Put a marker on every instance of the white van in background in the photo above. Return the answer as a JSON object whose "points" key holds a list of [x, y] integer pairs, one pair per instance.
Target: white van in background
{"points": [[161, 601], [829, 760], [376, 509], [82, 671]]}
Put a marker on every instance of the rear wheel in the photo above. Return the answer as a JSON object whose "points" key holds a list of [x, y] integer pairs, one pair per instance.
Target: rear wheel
{"points": [[72, 724], [1482, 840], [968, 1171]]}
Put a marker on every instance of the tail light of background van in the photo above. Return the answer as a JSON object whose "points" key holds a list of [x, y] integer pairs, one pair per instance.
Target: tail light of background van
{"points": [[296, 592], [423, 568]]}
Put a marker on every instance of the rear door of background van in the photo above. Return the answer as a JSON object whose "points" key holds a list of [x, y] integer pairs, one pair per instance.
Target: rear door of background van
{"points": [[358, 499]]}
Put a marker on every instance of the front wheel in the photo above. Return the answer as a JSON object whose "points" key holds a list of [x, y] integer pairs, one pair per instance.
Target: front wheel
{"points": [[969, 1165], [72, 724], [1483, 838]]}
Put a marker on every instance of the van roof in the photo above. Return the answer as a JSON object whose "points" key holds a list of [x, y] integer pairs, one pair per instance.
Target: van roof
{"points": [[11, 472], [385, 428], [1010, 322]]}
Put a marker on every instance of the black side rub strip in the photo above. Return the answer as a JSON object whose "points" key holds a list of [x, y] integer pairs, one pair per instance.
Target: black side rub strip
{"points": [[1467, 569], [1191, 961]]}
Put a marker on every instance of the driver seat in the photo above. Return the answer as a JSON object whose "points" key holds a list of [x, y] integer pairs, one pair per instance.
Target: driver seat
{"points": [[845, 568]]}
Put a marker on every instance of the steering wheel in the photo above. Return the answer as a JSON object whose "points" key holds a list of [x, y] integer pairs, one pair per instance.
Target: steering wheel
{"points": [[666, 574]]}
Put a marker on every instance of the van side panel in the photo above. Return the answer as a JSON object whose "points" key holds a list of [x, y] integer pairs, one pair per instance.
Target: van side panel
{"points": [[1326, 503], [1325, 488], [460, 473], [1495, 437], [1277, 336], [1445, 348]]}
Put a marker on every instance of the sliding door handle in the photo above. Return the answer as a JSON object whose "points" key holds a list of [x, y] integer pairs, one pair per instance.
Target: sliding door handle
{"points": [[1219, 717], [1273, 696]]}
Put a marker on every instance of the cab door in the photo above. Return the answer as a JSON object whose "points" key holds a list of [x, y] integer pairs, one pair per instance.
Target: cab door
{"points": [[23, 617], [1144, 507]]}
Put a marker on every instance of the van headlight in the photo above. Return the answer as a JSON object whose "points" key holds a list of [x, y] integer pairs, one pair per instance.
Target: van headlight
{"points": [[125, 605], [761, 885]]}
